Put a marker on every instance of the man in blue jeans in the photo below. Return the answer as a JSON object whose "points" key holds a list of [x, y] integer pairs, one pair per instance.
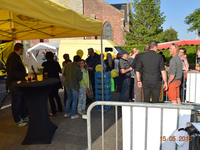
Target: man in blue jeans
{"points": [[15, 72], [124, 75], [73, 75]]}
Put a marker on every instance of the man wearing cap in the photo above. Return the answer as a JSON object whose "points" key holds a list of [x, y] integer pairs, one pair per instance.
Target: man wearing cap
{"points": [[92, 61], [124, 75], [152, 65]]}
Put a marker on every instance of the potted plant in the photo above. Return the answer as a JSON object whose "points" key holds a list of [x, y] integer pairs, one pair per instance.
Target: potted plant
{"points": [[39, 73]]}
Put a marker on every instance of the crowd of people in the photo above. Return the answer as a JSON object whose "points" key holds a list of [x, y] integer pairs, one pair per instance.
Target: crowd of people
{"points": [[139, 75]]}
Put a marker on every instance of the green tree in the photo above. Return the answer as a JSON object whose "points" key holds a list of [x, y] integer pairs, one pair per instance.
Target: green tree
{"points": [[193, 20], [170, 35], [145, 23]]}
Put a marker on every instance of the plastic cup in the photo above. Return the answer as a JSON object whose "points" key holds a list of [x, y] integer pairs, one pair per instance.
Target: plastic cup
{"points": [[26, 78], [29, 78]]}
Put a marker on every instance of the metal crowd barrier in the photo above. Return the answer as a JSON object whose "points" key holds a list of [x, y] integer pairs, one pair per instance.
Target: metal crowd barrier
{"points": [[189, 88], [147, 106]]}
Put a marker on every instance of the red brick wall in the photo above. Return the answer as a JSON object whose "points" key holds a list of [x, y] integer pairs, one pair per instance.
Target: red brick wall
{"points": [[34, 42], [106, 13]]}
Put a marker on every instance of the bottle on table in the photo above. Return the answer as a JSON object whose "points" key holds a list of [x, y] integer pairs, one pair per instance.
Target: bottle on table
{"points": [[34, 73]]}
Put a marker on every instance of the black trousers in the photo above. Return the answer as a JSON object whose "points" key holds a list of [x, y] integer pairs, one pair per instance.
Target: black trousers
{"points": [[151, 87], [131, 89], [54, 94]]}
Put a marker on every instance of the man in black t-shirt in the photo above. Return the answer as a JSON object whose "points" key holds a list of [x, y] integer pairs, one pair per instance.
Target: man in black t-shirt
{"points": [[15, 72], [151, 64]]}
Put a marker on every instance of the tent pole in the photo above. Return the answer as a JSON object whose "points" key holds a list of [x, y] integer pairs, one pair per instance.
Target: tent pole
{"points": [[11, 24], [102, 68], [196, 57]]}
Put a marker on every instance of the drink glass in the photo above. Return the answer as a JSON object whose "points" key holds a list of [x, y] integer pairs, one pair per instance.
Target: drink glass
{"points": [[46, 75], [29, 78]]}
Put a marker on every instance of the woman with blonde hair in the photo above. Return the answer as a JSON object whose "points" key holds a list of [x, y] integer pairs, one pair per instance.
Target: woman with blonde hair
{"points": [[132, 55]]}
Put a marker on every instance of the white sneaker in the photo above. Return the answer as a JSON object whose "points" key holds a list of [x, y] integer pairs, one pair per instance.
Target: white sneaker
{"points": [[74, 117], [66, 115]]}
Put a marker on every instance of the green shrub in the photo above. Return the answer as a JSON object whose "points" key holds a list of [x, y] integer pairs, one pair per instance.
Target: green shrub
{"points": [[191, 52]]}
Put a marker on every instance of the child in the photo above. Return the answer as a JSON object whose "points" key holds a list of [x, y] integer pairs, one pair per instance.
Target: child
{"points": [[84, 84]]}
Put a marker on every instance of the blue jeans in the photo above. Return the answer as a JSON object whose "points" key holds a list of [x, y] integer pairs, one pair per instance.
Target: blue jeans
{"points": [[125, 86], [17, 98], [72, 96]]}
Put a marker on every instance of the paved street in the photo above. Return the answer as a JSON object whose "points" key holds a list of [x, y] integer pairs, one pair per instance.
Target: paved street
{"points": [[70, 135]]}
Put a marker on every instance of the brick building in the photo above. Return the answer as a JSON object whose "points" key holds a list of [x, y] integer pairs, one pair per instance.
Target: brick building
{"points": [[114, 18]]}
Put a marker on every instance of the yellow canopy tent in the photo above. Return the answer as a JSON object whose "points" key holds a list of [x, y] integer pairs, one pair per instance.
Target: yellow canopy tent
{"points": [[43, 19]]}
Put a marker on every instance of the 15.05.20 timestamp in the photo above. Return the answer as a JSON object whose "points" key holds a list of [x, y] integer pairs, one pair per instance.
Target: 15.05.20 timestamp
{"points": [[173, 138]]}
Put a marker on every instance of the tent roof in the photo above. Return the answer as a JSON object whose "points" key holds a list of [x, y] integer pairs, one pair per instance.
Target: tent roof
{"points": [[166, 45], [43, 19], [44, 46]]}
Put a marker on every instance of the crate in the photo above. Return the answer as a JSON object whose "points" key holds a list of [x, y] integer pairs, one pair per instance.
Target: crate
{"points": [[106, 89]]}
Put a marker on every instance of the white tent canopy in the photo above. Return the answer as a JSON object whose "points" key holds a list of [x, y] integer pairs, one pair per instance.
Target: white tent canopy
{"points": [[36, 51], [44, 46]]}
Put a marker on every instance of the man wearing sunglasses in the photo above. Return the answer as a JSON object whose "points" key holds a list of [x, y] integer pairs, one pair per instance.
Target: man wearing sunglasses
{"points": [[152, 65], [174, 75]]}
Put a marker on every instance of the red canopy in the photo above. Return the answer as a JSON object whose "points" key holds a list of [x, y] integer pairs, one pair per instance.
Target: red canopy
{"points": [[166, 45]]}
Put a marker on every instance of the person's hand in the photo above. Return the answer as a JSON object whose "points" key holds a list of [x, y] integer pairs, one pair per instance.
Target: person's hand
{"points": [[198, 68], [165, 86], [140, 84], [130, 68], [89, 68]]}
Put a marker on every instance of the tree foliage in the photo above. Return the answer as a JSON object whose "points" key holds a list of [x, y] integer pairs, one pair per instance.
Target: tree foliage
{"points": [[193, 20], [145, 23], [191, 52], [170, 35]]}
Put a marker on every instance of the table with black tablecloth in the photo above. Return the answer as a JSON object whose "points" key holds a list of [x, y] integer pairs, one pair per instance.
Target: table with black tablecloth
{"points": [[40, 128]]}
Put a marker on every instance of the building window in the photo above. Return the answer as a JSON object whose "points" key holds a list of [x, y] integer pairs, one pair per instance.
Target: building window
{"points": [[107, 31]]}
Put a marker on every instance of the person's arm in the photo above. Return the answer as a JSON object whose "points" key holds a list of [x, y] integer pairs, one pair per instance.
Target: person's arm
{"points": [[163, 72], [59, 68], [123, 71], [14, 67], [164, 76], [44, 69], [88, 83], [171, 77], [172, 71], [79, 74], [138, 79], [186, 64], [122, 66], [64, 71]]}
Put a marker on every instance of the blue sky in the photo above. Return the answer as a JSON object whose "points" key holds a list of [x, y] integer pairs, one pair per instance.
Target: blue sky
{"points": [[175, 12]]}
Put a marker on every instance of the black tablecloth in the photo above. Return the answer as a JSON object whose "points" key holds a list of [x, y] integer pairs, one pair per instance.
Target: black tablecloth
{"points": [[40, 128]]}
